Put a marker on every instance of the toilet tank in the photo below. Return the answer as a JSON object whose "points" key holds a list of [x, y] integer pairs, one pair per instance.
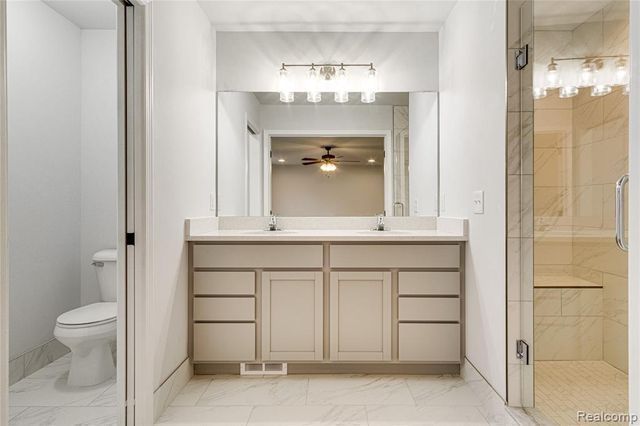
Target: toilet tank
{"points": [[105, 263]]}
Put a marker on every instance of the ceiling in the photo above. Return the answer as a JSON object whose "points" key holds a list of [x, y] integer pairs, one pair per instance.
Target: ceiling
{"points": [[87, 14], [327, 15], [566, 14], [293, 149], [390, 98]]}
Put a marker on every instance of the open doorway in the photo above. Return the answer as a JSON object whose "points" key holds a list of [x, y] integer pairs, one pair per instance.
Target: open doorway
{"points": [[67, 115]]}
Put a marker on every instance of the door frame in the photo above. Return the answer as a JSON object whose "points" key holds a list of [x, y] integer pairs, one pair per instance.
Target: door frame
{"points": [[388, 158], [135, 392]]}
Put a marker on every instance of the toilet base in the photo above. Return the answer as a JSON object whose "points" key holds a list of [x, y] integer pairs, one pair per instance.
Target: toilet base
{"points": [[91, 365]]}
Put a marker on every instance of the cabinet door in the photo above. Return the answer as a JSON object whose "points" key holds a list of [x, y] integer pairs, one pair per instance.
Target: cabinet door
{"points": [[360, 316], [292, 316]]}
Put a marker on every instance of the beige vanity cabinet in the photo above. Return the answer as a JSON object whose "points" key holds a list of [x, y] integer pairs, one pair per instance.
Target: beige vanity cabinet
{"points": [[292, 305], [360, 316]]}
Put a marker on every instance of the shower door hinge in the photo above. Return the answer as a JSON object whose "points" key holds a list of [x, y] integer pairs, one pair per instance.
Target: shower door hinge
{"points": [[131, 239], [522, 351], [522, 57]]}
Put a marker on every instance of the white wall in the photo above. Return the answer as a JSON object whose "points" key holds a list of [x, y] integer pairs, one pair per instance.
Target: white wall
{"points": [[44, 171], [99, 152], [472, 146], [249, 61], [183, 135], [234, 109], [306, 191], [327, 117], [423, 154]]}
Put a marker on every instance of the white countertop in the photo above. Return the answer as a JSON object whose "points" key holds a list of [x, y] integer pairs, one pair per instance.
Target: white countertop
{"points": [[442, 229], [326, 235]]}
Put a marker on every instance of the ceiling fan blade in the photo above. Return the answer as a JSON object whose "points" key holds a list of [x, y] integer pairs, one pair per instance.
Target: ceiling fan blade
{"points": [[310, 159], [312, 162]]}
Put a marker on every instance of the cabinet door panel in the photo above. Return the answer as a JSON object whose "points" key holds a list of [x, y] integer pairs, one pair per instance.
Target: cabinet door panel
{"points": [[360, 316], [429, 342], [292, 316], [224, 342]]}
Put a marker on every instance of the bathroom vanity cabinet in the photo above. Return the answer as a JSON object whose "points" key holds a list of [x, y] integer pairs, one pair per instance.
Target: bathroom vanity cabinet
{"points": [[328, 302]]}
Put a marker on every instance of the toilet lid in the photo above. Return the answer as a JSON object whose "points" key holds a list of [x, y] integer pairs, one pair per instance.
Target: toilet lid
{"points": [[90, 314]]}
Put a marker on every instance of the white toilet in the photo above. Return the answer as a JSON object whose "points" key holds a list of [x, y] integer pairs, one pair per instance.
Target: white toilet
{"points": [[90, 331]]}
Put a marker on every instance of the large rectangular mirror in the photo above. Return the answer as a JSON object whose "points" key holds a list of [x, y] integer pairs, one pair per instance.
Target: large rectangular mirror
{"points": [[325, 158]]}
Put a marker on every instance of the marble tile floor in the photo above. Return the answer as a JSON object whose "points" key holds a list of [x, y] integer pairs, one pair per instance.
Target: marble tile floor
{"points": [[44, 398], [565, 387], [333, 400]]}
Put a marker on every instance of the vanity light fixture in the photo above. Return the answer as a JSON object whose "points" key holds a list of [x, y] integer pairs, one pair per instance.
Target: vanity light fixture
{"points": [[330, 77], [599, 73]]}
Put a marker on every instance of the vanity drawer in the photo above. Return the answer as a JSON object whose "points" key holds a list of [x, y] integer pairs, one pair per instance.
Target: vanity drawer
{"points": [[395, 256], [257, 256], [224, 283], [429, 342], [428, 309], [429, 283], [224, 309], [224, 342]]}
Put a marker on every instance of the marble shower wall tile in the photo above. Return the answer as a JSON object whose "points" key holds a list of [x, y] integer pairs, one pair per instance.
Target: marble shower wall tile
{"points": [[616, 299], [616, 346], [568, 338], [582, 302], [548, 302]]}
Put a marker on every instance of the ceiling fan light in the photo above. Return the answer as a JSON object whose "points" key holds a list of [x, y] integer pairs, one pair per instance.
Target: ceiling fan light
{"points": [[328, 167]]}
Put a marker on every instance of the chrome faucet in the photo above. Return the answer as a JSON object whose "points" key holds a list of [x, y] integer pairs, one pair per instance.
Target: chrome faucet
{"points": [[273, 223], [380, 222]]}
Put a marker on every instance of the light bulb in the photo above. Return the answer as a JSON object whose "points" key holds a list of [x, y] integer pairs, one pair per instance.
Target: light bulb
{"points": [[539, 92], [568, 92], [313, 93], [328, 167], [587, 74], [341, 94], [370, 87], [284, 86], [621, 72], [600, 90], [553, 76]]}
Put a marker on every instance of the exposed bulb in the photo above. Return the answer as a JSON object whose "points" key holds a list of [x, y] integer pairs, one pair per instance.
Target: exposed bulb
{"points": [[621, 72], [370, 87], [539, 92], [341, 94], [568, 92], [553, 76], [284, 86], [328, 167], [600, 90], [587, 74], [313, 83]]}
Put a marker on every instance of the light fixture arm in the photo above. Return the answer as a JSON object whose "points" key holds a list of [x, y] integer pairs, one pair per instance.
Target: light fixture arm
{"points": [[341, 65], [588, 58]]}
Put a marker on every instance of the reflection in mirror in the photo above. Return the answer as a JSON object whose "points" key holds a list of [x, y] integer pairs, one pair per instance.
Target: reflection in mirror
{"points": [[327, 159]]}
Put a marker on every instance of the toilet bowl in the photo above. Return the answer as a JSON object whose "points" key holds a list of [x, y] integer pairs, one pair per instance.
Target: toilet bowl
{"points": [[90, 331]]}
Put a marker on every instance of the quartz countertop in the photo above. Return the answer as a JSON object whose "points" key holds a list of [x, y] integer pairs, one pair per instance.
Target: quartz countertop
{"points": [[208, 229]]}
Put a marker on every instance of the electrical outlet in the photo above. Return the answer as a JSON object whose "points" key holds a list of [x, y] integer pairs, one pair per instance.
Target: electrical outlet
{"points": [[478, 202]]}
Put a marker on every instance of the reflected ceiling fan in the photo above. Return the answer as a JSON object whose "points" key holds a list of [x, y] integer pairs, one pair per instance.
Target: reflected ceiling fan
{"points": [[328, 161]]}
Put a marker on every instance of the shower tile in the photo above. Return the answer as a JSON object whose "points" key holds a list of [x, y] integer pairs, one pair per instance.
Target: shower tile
{"points": [[568, 338], [616, 298], [513, 143], [582, 302], [616, 346], [548, 302], [513, 206], [513, 269], [526, 149]]}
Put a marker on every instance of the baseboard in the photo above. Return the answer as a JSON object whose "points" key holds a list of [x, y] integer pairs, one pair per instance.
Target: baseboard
{"points": [[167, 391], [339, 368], [34, 359]]}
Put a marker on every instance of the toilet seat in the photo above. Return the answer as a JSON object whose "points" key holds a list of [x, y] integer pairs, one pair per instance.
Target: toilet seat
{"points": [[92, 315]]}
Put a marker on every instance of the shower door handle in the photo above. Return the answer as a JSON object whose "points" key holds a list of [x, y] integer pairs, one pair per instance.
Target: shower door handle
{"points": [[620, 237]]}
